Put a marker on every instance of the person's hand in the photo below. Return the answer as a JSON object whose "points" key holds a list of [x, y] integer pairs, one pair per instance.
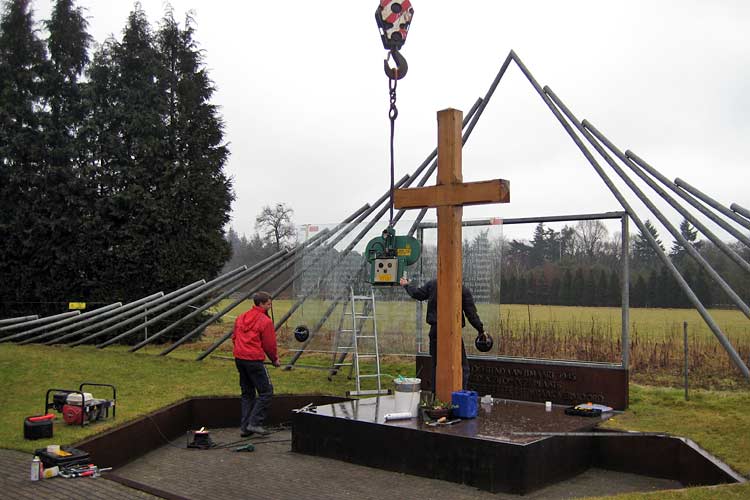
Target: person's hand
{"points": [[403, 281], [277, 363]]}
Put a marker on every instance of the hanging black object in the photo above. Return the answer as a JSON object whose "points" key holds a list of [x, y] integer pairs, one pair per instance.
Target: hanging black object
{"points": [[483, 342], [301, 333], [394, 19]]}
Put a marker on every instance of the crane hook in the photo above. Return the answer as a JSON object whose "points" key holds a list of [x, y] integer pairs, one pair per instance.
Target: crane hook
{"points": [[401, 66]]}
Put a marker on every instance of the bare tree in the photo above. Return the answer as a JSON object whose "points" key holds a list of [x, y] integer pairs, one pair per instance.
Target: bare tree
{"points": [[276, 226], [590, 236]]}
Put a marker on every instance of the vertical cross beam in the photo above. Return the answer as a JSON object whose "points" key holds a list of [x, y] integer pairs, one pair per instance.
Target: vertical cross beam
{"points": [[448, 197], [450, 258]]}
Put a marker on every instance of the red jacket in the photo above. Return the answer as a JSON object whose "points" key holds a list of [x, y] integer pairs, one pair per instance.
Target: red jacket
{"points": [[254, 336]]}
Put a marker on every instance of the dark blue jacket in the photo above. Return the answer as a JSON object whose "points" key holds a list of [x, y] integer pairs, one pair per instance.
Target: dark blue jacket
{"points": [[428, 292]]}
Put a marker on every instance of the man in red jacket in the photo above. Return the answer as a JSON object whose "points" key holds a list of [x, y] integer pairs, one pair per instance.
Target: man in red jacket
{"points": [[254, 338]]}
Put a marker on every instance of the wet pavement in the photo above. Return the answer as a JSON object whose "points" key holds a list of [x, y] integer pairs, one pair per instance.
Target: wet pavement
{"points": [[274, 471]]}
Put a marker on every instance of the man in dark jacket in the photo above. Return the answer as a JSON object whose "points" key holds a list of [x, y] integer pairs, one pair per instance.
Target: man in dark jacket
{"points": [[254, 338], [428, 292]]}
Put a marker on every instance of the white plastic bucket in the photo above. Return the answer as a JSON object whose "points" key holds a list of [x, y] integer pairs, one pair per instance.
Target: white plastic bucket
{"points": [[407, 395]]}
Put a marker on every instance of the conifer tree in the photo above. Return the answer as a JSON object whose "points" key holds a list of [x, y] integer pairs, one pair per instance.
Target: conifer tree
{"points": [[22, 67], [644, 254]]}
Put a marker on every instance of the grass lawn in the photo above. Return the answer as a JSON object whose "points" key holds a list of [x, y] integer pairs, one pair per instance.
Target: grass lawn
{"points": [[717, 421]]}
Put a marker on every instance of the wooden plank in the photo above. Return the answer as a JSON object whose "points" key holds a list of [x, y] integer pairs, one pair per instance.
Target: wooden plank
{"points": [[449, 146], [450, 258], [468, 193], [449, 280]]}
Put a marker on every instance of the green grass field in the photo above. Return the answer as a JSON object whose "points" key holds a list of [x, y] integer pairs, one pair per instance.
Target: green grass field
{"points": [[557, 332], [716, 420]]}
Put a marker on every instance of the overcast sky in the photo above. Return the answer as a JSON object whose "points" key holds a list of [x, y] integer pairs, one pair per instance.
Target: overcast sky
{"points": [[305, 100]]}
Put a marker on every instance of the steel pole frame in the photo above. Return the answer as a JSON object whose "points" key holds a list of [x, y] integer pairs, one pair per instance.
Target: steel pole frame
{"points": [[740, 210], [83, 318], [586, 129], [20, 319], [297, 252], [672, 202], [123, 311], [185, 299], [712, 202], [176, 294], [689, 198], [624, 278], [587, 154], [47, 319]]}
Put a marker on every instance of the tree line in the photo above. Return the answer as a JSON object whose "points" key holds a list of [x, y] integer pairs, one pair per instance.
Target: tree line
{"points": [[581, 266], [111, 161]]}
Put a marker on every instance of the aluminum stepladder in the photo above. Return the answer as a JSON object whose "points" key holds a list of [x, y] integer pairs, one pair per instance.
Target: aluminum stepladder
{"points": [[361, 346]]}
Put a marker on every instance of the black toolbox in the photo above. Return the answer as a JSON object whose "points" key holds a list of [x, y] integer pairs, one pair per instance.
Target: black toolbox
{"points": [[75, 457], [38, 427]]}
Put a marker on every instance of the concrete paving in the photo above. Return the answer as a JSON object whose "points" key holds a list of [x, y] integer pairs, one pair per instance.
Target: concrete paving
{"points": [[274, 471]]}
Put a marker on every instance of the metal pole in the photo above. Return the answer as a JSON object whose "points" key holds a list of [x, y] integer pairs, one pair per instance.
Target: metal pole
{"points": [[85, 318], [39, 321], [625, 291], [177, 294], [632, 161], [57, 317], [710, 201], [183, 300], [680, 280], [20, 319], [243, 297], [685, 340], [99, 321], [740, 210], [246, 277], [587, 129]]}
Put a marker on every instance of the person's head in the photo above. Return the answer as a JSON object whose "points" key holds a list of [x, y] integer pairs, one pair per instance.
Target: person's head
{"points": [[262, 299]]}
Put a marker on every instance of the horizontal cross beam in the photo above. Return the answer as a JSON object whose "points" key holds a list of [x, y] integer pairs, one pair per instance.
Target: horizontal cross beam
{"points": [[468, 193]]}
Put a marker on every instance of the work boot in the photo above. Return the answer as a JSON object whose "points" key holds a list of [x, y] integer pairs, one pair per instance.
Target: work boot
{"points": [[257, 429], [245, 433]]}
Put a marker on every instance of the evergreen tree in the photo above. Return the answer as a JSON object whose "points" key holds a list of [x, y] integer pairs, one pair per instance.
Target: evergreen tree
{"points": [[196, 194], [614, 296], [577, 288], [678, 251], [639, 292], [554, 291], [67, 207], [644, 254], [565, 288], [23, 65], [602, 297]]}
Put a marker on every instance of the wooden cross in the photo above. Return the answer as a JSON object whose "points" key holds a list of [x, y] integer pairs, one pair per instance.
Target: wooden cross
{"points": [[449, 196]]}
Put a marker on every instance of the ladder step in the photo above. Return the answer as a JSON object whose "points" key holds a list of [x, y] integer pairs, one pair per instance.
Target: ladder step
{"points": [[365, 336], [367, 355], [341, 348], [342, 364], [371, 375], [362, 297], [365, 317], [346, 330], [373, 392]]}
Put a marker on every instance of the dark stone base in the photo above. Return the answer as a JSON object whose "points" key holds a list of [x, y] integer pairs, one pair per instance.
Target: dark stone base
{"points": [[497, 451], [561, 382]]}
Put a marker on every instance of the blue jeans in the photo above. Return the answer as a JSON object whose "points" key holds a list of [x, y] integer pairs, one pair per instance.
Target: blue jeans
{"points": [[433, 354], [254, 377]]}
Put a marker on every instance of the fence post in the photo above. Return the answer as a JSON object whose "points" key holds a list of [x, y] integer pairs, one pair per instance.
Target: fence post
{"points": [[684, 337]]}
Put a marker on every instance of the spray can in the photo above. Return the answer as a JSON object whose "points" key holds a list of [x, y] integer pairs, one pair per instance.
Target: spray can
{"points": [[36, 468]]}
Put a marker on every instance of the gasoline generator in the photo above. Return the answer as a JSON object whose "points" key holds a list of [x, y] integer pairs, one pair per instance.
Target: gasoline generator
{"points": [[79, 407]]}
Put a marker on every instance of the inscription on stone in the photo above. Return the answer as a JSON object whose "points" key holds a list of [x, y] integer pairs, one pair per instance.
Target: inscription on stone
{"points": [[533, 381]]}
